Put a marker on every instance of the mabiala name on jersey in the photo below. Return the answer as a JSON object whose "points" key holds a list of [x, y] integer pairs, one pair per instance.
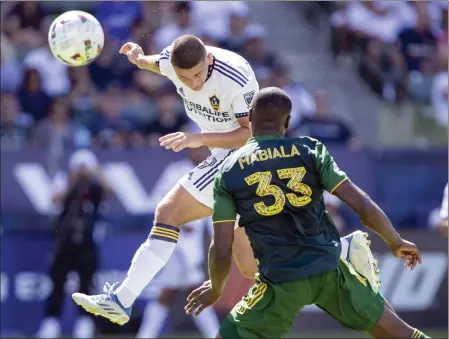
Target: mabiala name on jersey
{"points": [[268, 154], [206, 112]]}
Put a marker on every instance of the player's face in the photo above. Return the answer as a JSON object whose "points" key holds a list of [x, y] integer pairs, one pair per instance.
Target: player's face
{"points": [[194, 78]]}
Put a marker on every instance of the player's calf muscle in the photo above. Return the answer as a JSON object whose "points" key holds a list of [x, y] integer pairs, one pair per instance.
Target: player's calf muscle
{"points": [[391, 326]]}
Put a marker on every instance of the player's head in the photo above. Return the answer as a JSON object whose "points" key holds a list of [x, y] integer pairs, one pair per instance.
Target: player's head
{"points": [[270, 111], [190, 61]]}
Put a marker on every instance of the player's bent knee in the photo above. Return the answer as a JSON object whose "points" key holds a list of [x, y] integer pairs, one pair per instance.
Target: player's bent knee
{"points": [[179, 207]]}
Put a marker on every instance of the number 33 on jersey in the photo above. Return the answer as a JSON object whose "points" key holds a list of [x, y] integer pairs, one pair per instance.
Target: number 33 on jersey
{"points": [[272, 176]]}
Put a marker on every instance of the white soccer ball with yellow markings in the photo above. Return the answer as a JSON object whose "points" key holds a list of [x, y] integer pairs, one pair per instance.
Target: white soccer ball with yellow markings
{"points": [[76, 38]]}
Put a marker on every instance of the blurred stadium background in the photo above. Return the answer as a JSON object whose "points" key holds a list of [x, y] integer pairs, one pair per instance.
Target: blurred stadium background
{"points": [[368, 78]]}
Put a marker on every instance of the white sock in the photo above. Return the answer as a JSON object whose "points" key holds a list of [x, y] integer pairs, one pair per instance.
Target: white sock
{"points": [[84, 327], [207, 322], [344, 248], [153, 320], [149, 259]]}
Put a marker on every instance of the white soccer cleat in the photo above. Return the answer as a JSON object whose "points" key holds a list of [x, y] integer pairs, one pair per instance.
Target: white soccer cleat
{"points": [[360, 257], [105, 305]]}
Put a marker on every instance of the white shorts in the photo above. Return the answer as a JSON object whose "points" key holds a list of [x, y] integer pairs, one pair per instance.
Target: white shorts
{"points": [[186, 267], [200, 180]]}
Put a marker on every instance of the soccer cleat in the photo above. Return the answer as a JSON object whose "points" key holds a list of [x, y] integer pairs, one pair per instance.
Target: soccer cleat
{"points": [[105, 305], [360, 257]]}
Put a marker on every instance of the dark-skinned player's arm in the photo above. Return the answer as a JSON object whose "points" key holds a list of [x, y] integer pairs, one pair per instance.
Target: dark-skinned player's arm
{"points": [[220, 251], [136, 56], [336, 182]]}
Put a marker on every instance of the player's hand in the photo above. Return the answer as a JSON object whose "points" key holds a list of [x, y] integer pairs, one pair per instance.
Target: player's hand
{"points": [[179, 140], [408, 251], [201, 298], [133, 51]]}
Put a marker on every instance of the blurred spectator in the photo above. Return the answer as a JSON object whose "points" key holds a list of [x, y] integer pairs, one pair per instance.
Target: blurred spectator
{"points": [[254, 51], [333, 208], [11, 70], [171, 119], [417, 42], [102, 70], [32, 97], [108, 127], [234, 36], [218, 28], [181, 25], [303, 101], [138, 108], [15, 124], [438, 217], [57, 132], [22, 24], [324, 125], [79, 197], [440, 92], [117, 17], [53, 72]]}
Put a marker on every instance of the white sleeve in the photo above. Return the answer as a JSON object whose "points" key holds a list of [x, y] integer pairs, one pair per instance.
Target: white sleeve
{"points": [[444, 207], [242, 101], [164, 63]]}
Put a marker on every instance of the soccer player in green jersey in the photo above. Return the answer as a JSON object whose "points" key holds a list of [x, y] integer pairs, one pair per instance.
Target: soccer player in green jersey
{"points": [[276, 186]]}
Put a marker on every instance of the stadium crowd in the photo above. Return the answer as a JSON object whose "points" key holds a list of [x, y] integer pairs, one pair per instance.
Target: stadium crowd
{"points": [[401, 48], [113, 104]]}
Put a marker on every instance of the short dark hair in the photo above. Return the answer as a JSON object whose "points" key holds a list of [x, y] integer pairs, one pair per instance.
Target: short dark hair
{"points": [[182, 6], [187, 52], [271, 104]]}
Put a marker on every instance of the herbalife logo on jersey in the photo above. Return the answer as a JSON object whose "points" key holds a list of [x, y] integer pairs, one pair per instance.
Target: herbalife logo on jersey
{"points": [[211, 114], [181, 91]]}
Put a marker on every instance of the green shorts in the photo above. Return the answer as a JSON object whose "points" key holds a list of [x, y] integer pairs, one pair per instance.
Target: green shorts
{"points": [[268, 310]]}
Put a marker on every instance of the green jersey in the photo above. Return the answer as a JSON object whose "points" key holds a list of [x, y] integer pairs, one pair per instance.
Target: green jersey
{"points": [[276, 186]]}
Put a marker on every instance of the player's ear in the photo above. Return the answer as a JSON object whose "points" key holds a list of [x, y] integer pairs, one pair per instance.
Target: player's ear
{"points": [[250, 115], [287, 122], [210, 58]]}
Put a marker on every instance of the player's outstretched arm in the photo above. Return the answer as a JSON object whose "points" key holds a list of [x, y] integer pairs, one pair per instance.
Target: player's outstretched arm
{"points": [[136, 56], [375, 219]]}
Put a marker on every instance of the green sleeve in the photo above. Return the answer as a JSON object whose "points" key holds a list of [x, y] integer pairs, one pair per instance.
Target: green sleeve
{"points": [[224, 204], [330, 175]]}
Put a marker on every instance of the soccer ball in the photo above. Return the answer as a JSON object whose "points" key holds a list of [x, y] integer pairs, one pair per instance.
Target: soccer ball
{"points": [[76, 38]]}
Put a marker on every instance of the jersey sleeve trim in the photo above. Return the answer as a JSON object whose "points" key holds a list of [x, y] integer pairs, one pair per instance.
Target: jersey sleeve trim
{"points": [[336, 186], [241, 115], [221, 221]]}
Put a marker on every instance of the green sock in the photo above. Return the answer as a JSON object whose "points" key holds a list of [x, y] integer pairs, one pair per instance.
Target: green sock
{"points": [[417, 334]]}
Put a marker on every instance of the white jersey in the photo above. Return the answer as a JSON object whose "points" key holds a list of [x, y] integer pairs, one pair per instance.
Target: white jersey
{"points": [[226, 95]]}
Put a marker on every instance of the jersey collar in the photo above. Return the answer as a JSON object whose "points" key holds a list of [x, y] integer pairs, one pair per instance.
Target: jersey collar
{"points": [[265, 137], [211, 68]]}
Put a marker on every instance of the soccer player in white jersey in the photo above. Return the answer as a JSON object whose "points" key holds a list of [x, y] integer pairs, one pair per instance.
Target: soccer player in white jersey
{"points": [[217, 87]]}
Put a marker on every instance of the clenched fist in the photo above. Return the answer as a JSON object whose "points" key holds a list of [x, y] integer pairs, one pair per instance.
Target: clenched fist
{"points": [[134, 53]]}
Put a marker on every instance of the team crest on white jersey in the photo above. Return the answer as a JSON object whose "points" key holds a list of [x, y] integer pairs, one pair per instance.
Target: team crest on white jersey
{"points": [[214, 102], [248, 98]]}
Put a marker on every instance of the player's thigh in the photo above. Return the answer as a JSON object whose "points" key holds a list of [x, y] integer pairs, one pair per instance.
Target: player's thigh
{"points": [[199, 181], [268, 310], [349, 298], [179, 207]]}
